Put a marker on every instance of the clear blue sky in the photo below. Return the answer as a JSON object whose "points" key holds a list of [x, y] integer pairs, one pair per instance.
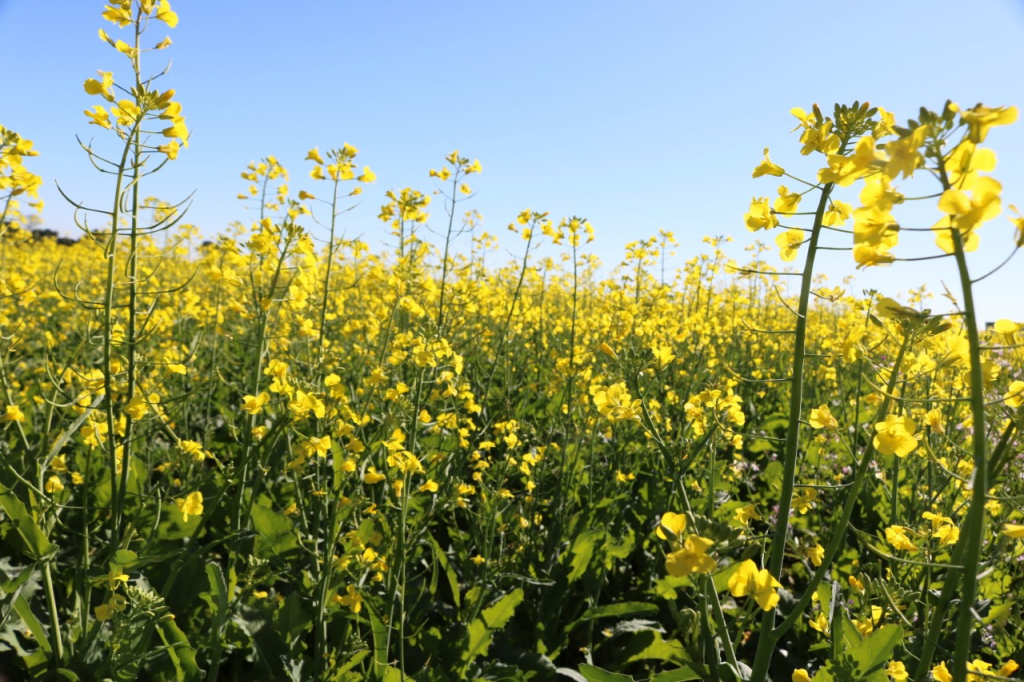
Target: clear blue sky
{"points": [[640, 116]]}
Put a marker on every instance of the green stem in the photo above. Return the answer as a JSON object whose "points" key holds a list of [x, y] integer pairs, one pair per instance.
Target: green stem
{"points": [[974, 528], [765, 645]]}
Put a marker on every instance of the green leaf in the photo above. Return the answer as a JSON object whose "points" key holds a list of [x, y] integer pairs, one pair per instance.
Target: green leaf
{"points": [[276, 533], [37, 546], [665, 587], [594, 674], [353, 660], [772, 474], [380, 644], [618, 550], [629, 608], [33, 624], [446, 566], [649, 645], [582, 552], [291, 619], [180, 651], [493, 618], [864, 659], [681, 675], [125, 557], [873, 652]]}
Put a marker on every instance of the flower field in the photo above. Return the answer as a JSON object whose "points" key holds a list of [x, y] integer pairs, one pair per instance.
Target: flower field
{"points": [[280, 453]]}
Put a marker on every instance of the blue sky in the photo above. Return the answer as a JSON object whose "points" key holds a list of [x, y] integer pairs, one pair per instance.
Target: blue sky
{"points": [[639, 116]]}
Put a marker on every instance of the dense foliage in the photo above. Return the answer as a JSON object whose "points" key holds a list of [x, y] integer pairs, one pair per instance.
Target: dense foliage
{"points": [[282, 454]]}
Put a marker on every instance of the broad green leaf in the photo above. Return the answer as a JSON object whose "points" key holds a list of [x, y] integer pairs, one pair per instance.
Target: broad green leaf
{"points": [[446, 566], [219, 591], [37, 546], [873, 652], [683, 674], [276, 533], [32, 623], [380, 644], [181, 653], [629, 608], [582, 552], [666, 586], [493, 618], [650, 645], [618, 550], [354, 660], [594, 674]]}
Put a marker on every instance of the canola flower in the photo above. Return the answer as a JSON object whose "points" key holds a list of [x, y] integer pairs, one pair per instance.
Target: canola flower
{"points": [[404, 442]]}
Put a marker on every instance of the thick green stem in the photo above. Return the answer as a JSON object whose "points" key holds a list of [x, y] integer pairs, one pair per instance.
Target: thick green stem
{"points": [[765, 645], [974, 528]]}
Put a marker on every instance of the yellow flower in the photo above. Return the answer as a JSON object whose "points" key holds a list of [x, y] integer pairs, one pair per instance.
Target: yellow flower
{"points": [[816, 554], [1015, 396], [320, 445], [787, 202], [760, 215], [13, 413], [967, 212], [166, 15], [672, 522], [895, 436], [192, 448], [692, 558], [428, 487], [941, 673], [373, 476], [746, 514], [789, 244], [106, 611], [1013, 530], [101, 87], [897, 537], [616, 404], [192, 505], [54, 485], [947, 535], [766, 167], [115, 578], [99, 116], [253, 404], [821, 418], [801, 675], [980, 118], [171, 149], [897, 671], [352, 599], [136, 408], [304, 403], [805, 500], [747, 580]]}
